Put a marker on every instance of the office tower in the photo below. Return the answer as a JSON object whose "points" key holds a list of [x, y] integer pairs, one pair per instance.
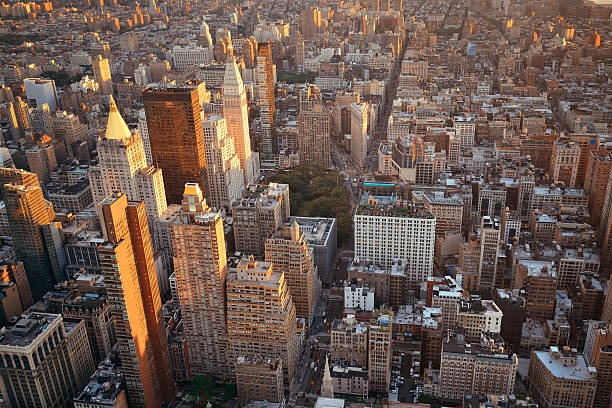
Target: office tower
{"points": [[123, 167], [483, 367], [288, 251], [564, 163], [143, 130], [22, 115], [126, 259], [29, 214], [40, 118], [465, 126], [235, 112], [10, 304], [262, 210], [510, 226], [387, 231], [596, 183], [200, 267], [488, 278], [41, 91], [42, 161], [15, 272], [598, 354], [447, 210], [205, 38], [44, 360], [342, 113], [264, 77], [68, 128], [560, 378], [310, 21], [6, 160], [587, 143], [259, 379], [349, 342], [379, 353], [102, 74], [261, 316], [314, 129], [300, 54], [359, 133], [173, 119], [225, 180]]}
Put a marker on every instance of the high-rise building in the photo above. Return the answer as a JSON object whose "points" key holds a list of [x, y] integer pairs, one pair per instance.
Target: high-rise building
{"points": [[484, 367], [44, 360], [123, 167], [598, 354], [68, 128], [41, 159], [288, 251], [564, 163], [262, 210], [596, 183], [561, 378], [225, 180], [539, 281], [235, 111], [143, 130], [360, 137], [265, 85], [42, 91], [33, 231], [488, 278], [349, 343], [127, 263], [386, 231], [380, 353], [200, 267], [314, 130], [261, 316], [15, 272], [173, 119], [102, 74]]}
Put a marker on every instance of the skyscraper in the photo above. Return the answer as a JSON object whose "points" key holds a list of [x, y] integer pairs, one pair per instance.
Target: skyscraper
{"points": [[102, 74], [200, 266], [237, 116], [488, 278], [261, 315], [314, 129], [175, 135], [126, 259], [225, 179], [262, 210], [288, 251], [28, 213], [123, 167], [265, 86], [359, 133]]}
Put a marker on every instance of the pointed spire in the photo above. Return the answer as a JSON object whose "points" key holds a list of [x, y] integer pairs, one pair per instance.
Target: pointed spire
{"points": [[116, 127], [327, 386]]}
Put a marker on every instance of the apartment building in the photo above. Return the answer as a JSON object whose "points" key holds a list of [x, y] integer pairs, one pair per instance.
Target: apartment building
{"points": [[477, 316], [483, 367]]}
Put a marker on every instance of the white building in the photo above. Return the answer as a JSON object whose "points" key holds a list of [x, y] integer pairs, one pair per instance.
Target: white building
{"points": [[465, 130], [225, 180], [386, 231], [123, 167], [477, 317], [357, 296], [184, 57], [42, 91], [143, 130]]}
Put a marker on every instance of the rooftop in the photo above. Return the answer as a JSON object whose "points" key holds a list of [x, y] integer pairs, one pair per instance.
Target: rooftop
{"points": [[565, 364], [27, 329]]}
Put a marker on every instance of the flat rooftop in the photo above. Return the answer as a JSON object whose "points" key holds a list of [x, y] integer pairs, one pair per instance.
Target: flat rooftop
{"points": [[316, 230], [28, 328], [576, 371]]}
